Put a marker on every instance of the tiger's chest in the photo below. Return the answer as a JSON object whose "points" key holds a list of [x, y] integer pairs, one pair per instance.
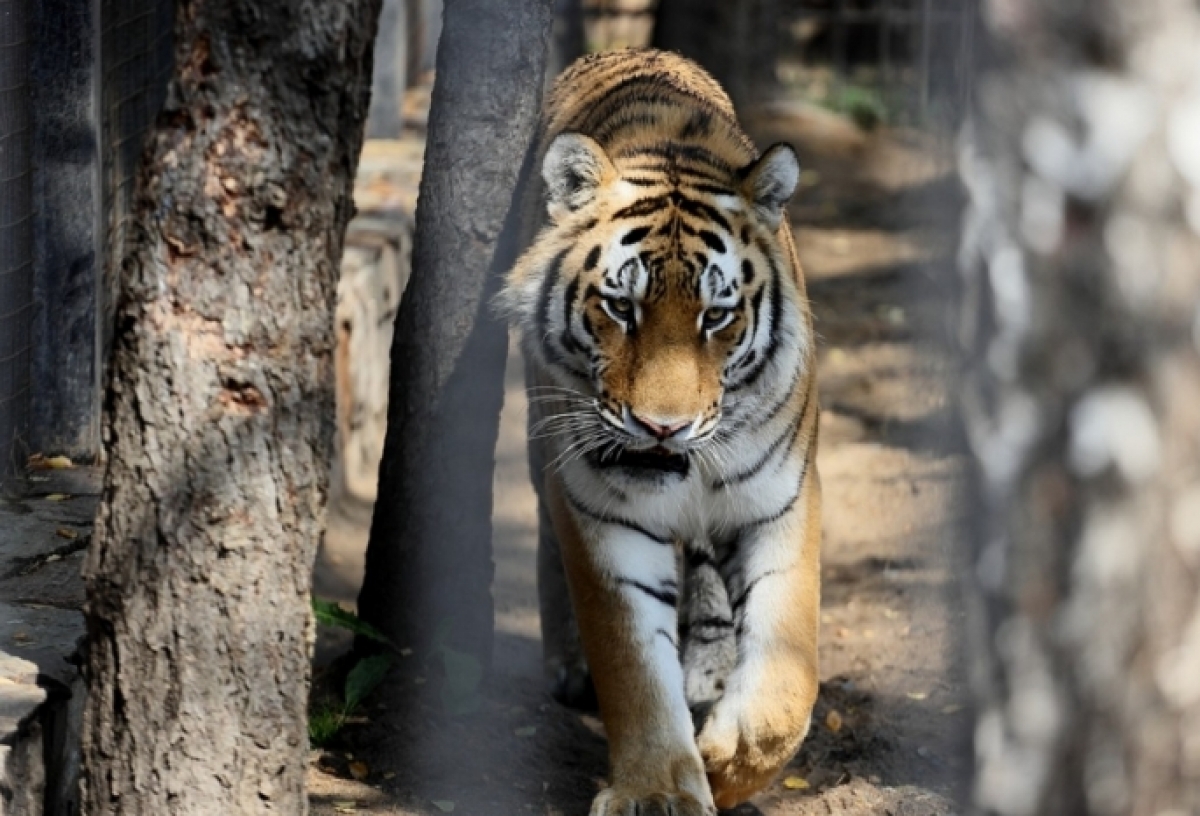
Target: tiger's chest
{"points": [[752, 480]]}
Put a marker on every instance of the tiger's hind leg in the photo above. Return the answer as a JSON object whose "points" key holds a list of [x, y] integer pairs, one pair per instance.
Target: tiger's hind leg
{"points": [[563, 663], [706, 634]]}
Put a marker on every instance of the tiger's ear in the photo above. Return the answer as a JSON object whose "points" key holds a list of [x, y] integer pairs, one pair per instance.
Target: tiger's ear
{"points": [[574, 168], [771, 180]]}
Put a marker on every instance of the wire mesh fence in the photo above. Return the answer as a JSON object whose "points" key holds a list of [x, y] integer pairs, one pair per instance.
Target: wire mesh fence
{"points": [[16, 236], [135, 65], [917, 52]]}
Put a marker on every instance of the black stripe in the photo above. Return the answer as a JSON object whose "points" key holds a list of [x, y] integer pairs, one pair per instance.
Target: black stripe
{"points": [[787, 508], [773, 343], [547, 291], [667, 635], [712, 623], [641, 207], [753, 321], [634, 235], [675, 152], [789, 435], [605, 518], [553, 354], [638, 181], [593, 258], [664, 595], [741, 599], [700, 124], [713, 189], [702, 210], [713, 241]]}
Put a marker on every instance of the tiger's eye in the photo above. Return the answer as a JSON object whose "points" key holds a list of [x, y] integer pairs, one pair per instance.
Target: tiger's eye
{"points": [[621, 306], [713, 316]]}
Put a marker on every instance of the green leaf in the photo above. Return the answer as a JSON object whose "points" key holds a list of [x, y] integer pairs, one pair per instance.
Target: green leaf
{"points": [[328, 613], [444, 805], [365, 677], [324, 723]]}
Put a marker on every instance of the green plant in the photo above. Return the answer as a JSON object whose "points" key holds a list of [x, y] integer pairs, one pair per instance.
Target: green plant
{"points": [[325, 722], [866, 106]]}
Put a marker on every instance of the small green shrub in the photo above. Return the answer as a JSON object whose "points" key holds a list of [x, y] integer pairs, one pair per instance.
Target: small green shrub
{"points": [[866, 106], [328, 718]]}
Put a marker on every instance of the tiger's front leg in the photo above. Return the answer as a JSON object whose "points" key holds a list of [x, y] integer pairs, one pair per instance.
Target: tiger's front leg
{"points": [[624, 589], [773, 576]]}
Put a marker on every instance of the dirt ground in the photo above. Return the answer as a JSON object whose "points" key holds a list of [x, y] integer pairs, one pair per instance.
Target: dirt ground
{"points": [[891, 731]]}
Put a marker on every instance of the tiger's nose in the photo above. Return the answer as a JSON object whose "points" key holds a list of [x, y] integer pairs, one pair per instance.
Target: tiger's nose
{"points": [[659, 428]]}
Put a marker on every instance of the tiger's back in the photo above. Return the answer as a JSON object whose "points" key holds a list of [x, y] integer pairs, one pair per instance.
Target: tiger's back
{"points": [[673, 425]]}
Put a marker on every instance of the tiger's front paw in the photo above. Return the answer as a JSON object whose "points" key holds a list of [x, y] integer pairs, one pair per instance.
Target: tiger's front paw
{"points": [[648, 786], [743, 751], [615, 802]]}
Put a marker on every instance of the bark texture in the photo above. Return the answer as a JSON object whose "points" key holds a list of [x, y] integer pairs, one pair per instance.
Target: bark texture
{"points": [[218, 421], [1081, 260], [429, 566]]}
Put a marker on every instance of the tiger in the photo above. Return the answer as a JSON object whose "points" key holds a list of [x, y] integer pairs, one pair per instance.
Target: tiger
{"points": [[669, 350]]}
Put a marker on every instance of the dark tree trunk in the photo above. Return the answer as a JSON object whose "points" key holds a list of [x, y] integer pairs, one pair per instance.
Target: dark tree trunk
{"points": [[1081, 259], [429, 566], [218, 425], [738, 42], [567, 44]]}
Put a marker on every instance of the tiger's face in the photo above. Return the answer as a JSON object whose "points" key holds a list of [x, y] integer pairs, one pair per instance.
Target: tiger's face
{"points": [[658, 302]]}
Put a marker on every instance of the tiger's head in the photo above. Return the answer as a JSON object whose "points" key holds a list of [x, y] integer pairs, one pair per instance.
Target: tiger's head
{"points": [[662, 300]]}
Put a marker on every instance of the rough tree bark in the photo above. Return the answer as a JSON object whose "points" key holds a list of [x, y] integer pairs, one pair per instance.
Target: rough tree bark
{"points": [[1081, 259], [219, 417], [429, 567], [738, 42]]}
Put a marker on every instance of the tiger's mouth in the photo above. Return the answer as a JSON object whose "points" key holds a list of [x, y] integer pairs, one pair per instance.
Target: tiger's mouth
{"points": [[651, 460]]}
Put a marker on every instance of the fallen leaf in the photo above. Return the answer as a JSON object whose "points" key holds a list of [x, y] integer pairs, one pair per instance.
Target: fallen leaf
{"points": [[527, 731], [59, 463], [345, 807], [63, 532], [58, 497], [795, 783], [50, 559], [444, 805], [389, 774], [953, 708], [916, 695], [360, 770], [833, 720]]}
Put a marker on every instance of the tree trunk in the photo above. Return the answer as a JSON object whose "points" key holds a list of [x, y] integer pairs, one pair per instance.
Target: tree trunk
{"points": [[738, 42], [429, 567], [1081, 260], [218, 425], [568, 42]]}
